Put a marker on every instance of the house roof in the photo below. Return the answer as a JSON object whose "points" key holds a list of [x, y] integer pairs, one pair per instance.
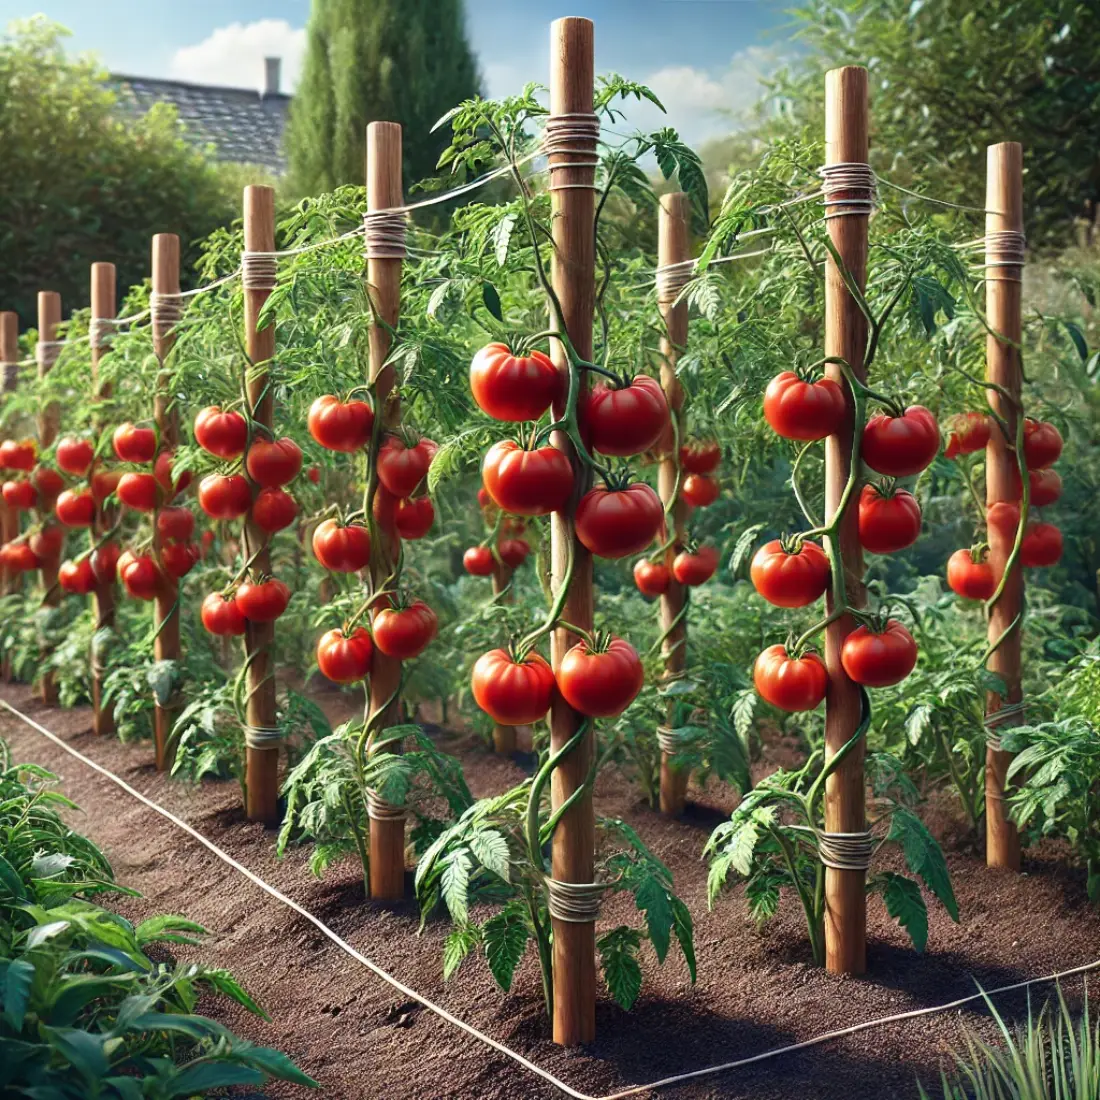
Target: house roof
{"points": [[243, 126]]}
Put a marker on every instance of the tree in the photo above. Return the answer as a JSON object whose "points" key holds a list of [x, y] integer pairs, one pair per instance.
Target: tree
{"points": [[80, 186], [404, 61]]}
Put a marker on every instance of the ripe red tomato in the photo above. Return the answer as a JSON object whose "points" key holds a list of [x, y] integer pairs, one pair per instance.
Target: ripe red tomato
{"points": [[221, 616], [888, 521], [879, 659], [75, 455], [484, 501], [1004, 518], [177, 559], [162, 471], [973, 579], [273, 463], [513, 526], [104, 561], [19, 495], [513, 552], [401, 468], [602, 682], [262, 601], [175, 524], [345, 658], [652, 578], [512, 693], [405, 632], [104, 483], [628, 420], [1046, 487], [697, 568], [133, 444], [224, 496], [790, 580], [510, 387], [343, 549], [700, 456], [699, 490], [77, 577], [340, 426], [75, 509], [529, 483], [790, 683], [314, 474], [900, 446], [17, 456], [273, 509], [139, 575], [48, 482], [18, 557], [1042, 444], [797, 409], [1042, 546], [138, 491], [478, 561], [48, 542], [385, 510], [224, 434], [413, 518], [967, 433], [613, 523]]}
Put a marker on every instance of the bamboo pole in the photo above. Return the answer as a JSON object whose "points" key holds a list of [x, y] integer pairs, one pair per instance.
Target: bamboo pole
{"points": [[1004, 194], [261, 763], [673, 247], [387, 836], [846, 140], [49, 421], [166, 610], [104, 306], [504, 737], [9, 517], [573, 273]]}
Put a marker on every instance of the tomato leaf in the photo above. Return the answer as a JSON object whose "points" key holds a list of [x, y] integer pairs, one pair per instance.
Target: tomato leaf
{"points": [[492, 300], [459, 943], [619, 962], [455, 885], [653, 900], [505, 938], [923, 856], [905, 903]]}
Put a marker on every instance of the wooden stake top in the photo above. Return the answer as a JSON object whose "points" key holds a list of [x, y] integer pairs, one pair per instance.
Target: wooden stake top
{"points": [[104, 296], [259, 218], [846, 115], [9, 337], [1004, 187], [166, 263], [384, 191], [572, 65]]}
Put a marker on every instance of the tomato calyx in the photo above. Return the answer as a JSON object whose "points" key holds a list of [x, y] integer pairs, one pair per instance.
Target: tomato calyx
{"points": [[792, 544], [617, 481], [886, 487], [979, 552]]}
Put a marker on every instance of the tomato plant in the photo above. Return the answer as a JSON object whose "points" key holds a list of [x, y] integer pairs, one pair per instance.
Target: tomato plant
{"points": [[512, 691], [695, 568], [652, 578], [134, 444], [600, 678], [262, 600], [625, 418], [343, 548], [223, 434]]}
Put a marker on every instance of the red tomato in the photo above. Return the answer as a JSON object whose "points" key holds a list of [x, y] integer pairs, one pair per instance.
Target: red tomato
{"points": [[699, 490], [224, 434], [970, 577], [75, 509], [529, 483], [177, 559], [273, 509], [221, 616], [900, 446], [385, 510], [613, 523], [888, 521], [104, 483], [697, 568], [162, 471], [48, 482], [138, 491], [176, 524], [509, 387], [345, 658], [139, 575], [343, 549], [483, 498], [77, 577], [1042, 546], [413, 518], [262, 601], [513, 552], [790, 683], [18, 557], [879, 659], [512, 526], [340, 426], [625, 421], [314, 474], [1046, 487], [17, 456], [652, 578], [602, 682], [133, 444], [48, 542], [478, 561], [224, 496], [104, 561], [700, 456], [401, 468], [405, 632], [1042, 444], [512, 693], [1004, 518], [74, 455], [790, 580], [271, 464], [19, 495], [797, 409], [968, 432]]}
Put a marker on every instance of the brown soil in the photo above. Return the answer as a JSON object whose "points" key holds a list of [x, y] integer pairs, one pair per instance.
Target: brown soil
{"points": [[756, 991]]}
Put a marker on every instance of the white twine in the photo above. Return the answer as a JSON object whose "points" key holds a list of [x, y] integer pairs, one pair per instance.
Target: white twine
{"points": [[669, 741], [46, 353], [574, 902], [571, 138], [167, 312], [1004, 252], [1007, 712], [378, 809], [385, 233], [259, 270], [846, 851], [262, 737], [857, 182]]}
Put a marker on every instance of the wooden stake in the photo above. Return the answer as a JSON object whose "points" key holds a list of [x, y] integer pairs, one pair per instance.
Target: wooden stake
{"points": [[573, 272], [261, 764], [9, 518], [166, 610], [1004, 193], [673, 247], [387, 837], [846, 140], [504, 737], [49, 421], [104, 298]]}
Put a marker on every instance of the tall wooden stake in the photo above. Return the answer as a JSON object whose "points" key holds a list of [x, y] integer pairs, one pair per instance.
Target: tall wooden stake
{"points": [[9, 518], [166, 611], [49, 421], [673, 247], [573, 272], [104, 298], [261, 763], [1004, 193], [504, 737], [846, 141], [387, 836]]}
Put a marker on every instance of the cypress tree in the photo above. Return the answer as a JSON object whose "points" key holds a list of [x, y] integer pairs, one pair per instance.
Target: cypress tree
{"points": [[404, 61]]}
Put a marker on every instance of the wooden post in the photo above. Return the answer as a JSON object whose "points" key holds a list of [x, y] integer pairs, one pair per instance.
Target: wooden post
{"points": [[504, 737], [104, 298], [846, 141], [387, 835], [49, 421], [9, 357], [673, 247], [573, 272], [1004, 193], [261, 763]]}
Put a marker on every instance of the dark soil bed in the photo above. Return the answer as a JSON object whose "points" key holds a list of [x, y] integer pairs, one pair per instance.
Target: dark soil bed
{"points": [[756, 990]]}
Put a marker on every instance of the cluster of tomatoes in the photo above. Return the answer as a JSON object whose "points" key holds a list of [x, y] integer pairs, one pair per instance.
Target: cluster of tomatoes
{"points": [[511, 549], [21, 493], [970, 573]]}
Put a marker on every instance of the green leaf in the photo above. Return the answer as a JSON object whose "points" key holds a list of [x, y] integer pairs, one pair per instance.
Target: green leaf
{"points": [[923, 856], [619, 961], [491, 299], [459, 943], [205, 1076], [18, 979], [685, 933], [505, 938], [455, 885], [491, 849], [653, 900], [918, 722], [905, 903], [743, 546], [502, 236]]}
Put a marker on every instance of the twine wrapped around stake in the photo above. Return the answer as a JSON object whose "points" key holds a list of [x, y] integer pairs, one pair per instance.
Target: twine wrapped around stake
{"points": [[46, 353], [849, 189], [1007, 713], [378, 809], [384, 232], [166, 311], [845, 851], [9, 377], [99, 329], [571, 137], [262, 737], [1004, 254], [574, 902], [259, 270], [672, 279], [669, 741]]}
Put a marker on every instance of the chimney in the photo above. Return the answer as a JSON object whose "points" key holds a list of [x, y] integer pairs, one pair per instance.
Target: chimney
{"points": [[272, 68]]}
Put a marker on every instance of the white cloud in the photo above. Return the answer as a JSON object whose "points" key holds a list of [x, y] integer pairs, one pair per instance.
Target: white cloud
{"points": [[233, 56]]}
